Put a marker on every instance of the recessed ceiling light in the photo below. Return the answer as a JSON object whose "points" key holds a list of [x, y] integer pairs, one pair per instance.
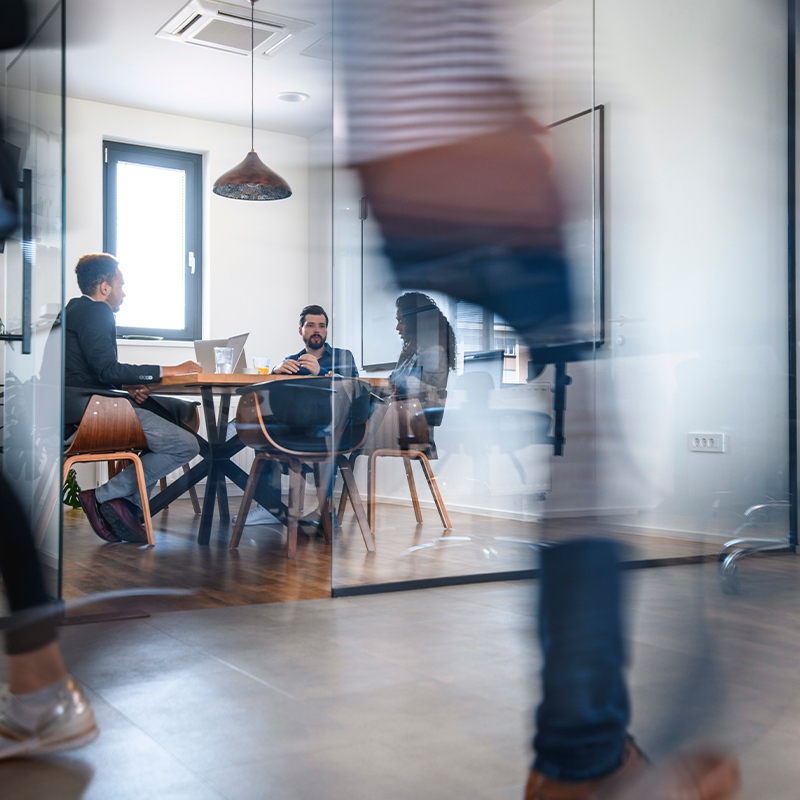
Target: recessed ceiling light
{"points": [[293, 97]]}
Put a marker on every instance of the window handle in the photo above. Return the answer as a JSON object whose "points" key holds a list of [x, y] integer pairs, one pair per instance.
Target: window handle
{"points": [[191, 262]]}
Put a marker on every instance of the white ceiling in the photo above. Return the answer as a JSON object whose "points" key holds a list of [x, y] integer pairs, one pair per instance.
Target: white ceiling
{"points": [[114, 56]]}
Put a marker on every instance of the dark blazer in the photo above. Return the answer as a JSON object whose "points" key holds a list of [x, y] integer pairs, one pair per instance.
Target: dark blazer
{"points": [[90, 364]]}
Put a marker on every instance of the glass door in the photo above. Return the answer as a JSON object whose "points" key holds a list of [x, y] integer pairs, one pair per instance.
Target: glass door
{"points": [[33, 286]]}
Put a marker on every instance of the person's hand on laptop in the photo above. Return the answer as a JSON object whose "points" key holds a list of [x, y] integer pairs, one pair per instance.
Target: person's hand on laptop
{"points": [[187, 368]]}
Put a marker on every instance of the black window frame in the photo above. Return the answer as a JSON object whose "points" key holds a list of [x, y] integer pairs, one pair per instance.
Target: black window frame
{"points": [[192, 164]]}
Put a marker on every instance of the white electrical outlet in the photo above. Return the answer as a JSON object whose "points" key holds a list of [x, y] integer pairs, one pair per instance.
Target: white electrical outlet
{"points": [[707, 442]]}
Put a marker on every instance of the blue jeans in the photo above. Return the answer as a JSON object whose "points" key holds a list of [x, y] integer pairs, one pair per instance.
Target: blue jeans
{"points": [[582, 720]]}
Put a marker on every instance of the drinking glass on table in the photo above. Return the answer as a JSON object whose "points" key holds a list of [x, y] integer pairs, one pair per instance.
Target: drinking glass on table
{"points": [[223, 360], [261, 364]]}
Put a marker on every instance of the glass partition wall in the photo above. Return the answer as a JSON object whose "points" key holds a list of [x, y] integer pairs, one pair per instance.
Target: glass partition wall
{"points": [[33, 122], [670, 153]]}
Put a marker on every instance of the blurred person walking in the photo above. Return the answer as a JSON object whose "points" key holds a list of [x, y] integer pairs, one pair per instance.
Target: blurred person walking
{"points": [[461, 186], [42, 708]]}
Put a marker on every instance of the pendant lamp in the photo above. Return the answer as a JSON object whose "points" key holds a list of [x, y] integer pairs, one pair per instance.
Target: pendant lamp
{"points": [[252, 179]]}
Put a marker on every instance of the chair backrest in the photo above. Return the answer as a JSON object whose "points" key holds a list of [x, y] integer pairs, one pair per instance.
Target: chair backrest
{"points": [[109, 424], [304, 415]]}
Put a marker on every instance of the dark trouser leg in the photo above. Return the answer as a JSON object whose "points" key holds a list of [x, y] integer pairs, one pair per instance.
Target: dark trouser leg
{"points": [[270, 481], [22, 576], [582, 721]]}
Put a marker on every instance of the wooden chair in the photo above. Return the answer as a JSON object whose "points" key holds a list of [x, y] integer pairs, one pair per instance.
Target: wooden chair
{"points": [[408, 448], [277, 420], [110, 431]]}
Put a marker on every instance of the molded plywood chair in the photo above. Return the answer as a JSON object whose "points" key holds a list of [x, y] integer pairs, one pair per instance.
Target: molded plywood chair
{"points": [[304, 421], [110, 431], [401, 430]]}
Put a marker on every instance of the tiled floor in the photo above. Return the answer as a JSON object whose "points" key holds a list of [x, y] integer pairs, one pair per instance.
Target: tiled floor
{"points": [[412, 695]]}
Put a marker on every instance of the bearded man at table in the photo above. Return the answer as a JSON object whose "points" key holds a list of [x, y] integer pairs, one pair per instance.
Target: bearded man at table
{"points": [[91, 366], [316, 358]]}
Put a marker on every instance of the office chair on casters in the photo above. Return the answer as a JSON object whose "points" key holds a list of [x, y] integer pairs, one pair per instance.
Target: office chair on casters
{"points": [[304, 421], [738, 548]]}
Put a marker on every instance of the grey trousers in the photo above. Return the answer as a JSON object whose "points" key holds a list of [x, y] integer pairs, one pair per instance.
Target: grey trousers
{"points": [[169, 448]]}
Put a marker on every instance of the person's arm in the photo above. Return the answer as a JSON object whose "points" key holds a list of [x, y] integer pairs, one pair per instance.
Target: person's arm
{"points": [[96, 340]]}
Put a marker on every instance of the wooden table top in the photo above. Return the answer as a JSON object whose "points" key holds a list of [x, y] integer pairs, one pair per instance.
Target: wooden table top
{"points": [[226, 384]]}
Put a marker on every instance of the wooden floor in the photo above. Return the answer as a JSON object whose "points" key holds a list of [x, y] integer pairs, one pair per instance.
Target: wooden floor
{"points": [[259, 572]]}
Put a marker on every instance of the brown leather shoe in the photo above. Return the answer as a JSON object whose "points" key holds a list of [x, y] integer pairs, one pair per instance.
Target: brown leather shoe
{"points": [[696, 775], [633, 764], [122, 517], [89, 505]]}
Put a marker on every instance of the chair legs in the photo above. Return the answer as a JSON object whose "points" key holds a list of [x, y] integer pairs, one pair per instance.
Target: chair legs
{"points": [[295, 479], [412, 487], [137, 463], [350, 490], [247, 498], [324, 504], [406, 455], [437, 497]]}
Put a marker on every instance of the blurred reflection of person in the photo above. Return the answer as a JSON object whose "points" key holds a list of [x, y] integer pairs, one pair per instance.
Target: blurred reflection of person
{"points": [[427, 357], [460, 183]]}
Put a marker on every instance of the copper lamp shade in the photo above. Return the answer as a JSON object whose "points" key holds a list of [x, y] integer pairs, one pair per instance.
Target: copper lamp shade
{"points": [[252, 180]]}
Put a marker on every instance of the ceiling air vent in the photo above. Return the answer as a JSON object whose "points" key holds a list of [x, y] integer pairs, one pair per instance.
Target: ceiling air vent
{"points": [[223, 26]]}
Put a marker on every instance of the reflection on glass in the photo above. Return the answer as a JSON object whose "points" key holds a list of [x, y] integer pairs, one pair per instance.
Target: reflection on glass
{"points": [[152, 200]]}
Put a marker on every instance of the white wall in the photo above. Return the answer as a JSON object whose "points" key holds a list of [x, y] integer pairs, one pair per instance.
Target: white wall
{"points": [[255, 254], [696, 256], [695, 264]]}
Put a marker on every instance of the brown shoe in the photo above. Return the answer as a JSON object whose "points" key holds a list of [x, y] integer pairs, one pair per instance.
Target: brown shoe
{"points": [[634, 764], [123, 518], [89, 505], [705, 775]]}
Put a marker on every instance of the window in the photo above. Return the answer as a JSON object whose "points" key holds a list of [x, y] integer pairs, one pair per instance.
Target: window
{"points": [[152, 223]]}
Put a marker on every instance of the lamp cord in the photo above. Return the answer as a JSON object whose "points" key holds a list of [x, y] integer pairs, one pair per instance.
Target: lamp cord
{"points": [[252, 73]]}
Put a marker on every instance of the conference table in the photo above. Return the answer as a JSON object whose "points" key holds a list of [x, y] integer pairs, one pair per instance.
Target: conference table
{"points": [[217, 450]]}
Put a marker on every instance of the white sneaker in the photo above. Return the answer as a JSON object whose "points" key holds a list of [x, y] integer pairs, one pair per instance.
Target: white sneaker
{"points": [[260, 516], [65, 723]]}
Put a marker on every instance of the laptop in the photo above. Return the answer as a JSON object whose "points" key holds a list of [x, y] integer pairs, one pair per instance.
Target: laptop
{"points": [[204, 352]]}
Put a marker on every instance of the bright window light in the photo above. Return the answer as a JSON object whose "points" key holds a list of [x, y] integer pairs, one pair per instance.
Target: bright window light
{"points": [[151, 225]]}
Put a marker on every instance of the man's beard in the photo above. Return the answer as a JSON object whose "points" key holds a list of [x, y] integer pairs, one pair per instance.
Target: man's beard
{"points": [[315, 341]]}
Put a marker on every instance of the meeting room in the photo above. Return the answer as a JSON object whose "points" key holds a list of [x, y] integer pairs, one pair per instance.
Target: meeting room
{"points": [[284, 323]]}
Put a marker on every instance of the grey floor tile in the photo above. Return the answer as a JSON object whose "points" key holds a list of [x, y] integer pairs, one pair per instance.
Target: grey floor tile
{"points": [[124, 763], [373, 770]]}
